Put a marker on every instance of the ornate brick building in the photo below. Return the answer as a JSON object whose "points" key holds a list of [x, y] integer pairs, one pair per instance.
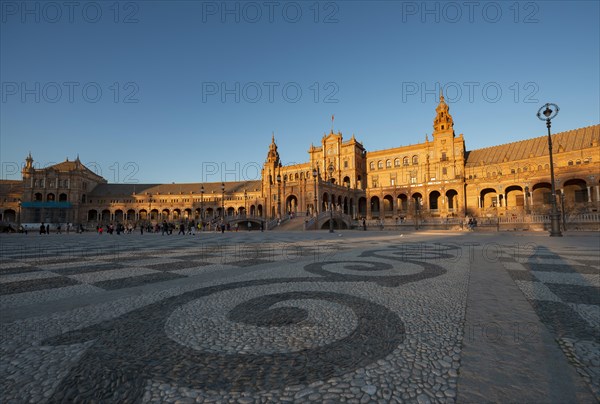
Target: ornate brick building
{"points": [[436, 178]]}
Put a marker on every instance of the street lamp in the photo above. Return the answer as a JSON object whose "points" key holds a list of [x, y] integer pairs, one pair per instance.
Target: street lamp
{"points": [[245, 203], [279, 196], [202, 205], [19, 215], [150, 208], [315, 207], [417, 201], [331, 169], [549, 111], [223, 201]]}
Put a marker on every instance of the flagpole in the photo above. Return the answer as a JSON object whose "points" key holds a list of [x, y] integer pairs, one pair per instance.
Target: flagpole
{"points": [[332, 117]]}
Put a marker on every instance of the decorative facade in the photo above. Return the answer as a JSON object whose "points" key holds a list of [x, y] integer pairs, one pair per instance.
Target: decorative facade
{"points": [[438, 178]]}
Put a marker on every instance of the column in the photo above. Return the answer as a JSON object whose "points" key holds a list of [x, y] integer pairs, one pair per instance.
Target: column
{"points": [[589, 192]]}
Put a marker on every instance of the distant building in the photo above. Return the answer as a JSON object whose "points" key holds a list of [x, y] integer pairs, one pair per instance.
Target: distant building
{"points": [[436, 178]]}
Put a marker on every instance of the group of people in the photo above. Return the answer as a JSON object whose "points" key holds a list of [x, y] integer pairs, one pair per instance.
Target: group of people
{"points": [[166, 228], [471, 223], [45, 228]]}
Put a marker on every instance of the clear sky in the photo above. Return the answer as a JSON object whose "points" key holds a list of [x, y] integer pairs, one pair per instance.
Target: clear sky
{"points": [[184, 91]]}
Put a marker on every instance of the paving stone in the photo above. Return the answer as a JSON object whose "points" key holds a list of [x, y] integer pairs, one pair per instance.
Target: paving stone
{"points": [[235, 318]]}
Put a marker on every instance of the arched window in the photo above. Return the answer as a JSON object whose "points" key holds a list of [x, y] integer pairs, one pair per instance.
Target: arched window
{"points": [[380, 164], [372, 165], [415, 160], [578, 162], [397, 162], [570, 162], [405, 161], [388, 164]]}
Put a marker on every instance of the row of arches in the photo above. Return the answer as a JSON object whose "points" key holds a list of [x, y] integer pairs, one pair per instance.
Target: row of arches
{"points": [[133, 215], [571, 193], [338, 203], [407, 203]]}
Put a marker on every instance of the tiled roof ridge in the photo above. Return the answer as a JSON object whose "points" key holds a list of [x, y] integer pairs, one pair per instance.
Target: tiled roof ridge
{"points": [[554, 135]]}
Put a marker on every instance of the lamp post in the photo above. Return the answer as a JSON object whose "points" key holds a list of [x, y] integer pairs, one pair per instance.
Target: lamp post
{"points": [[202, 205], [331, 169], [278, 196], [315, 207], [245, 203], [562, 208], [416, 213], [19, 215], [549, 111], [223, 201], [591, 189], [150, 208], [349, 208]]}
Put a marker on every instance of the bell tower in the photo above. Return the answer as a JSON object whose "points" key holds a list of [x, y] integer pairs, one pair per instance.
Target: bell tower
{"points": [[443, 123], [27, 171], [272, 165], [271, 169]]}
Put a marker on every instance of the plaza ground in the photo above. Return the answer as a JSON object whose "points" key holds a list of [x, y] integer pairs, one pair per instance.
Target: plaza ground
{"points": [[350, 316]]}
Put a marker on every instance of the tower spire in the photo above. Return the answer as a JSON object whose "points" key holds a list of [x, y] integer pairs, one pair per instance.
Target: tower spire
{"points": [[443, 122]]}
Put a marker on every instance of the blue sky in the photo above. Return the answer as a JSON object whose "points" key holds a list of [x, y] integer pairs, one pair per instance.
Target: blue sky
{"points": [[183, 91]]}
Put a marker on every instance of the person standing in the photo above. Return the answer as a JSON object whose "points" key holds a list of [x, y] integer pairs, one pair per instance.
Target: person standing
{"points": [[42, 229]]}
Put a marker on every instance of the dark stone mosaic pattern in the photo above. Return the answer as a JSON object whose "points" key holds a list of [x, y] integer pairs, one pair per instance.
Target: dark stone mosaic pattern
{"points": [[173, 266], [35, 284], [574, 317], [575, 293], [115, 257], [84, 269], [134, 348], [582, 269], [564, 321], [248, 263], [17, 270], [522, 276], [136, 280]]}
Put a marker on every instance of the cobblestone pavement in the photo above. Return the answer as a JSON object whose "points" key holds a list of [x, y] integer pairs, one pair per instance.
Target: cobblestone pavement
{"points": [[256, 317]]}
